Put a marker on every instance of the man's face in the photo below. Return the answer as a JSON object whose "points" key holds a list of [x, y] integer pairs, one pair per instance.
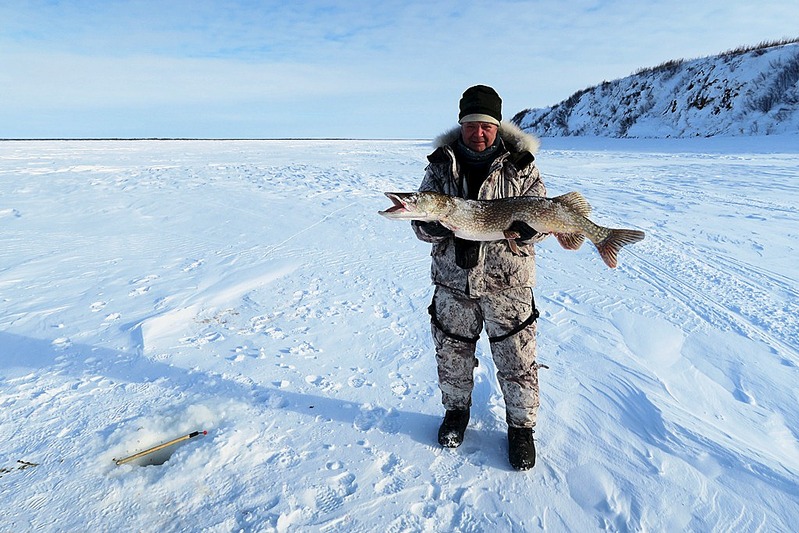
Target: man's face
{"points": [[478, 135]]}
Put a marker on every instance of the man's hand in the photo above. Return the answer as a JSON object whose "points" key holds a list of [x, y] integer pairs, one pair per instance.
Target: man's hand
{"points": [[523, 230]]}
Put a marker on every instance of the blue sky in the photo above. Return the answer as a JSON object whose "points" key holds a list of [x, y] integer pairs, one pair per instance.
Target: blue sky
{"points": [[389, 69]]}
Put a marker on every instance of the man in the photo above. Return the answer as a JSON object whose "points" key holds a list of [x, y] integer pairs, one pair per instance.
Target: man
{"points": [[483, 284]]}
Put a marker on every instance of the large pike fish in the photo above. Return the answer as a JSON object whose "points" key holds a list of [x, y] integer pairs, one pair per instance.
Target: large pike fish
{"points": [[566, 217]]}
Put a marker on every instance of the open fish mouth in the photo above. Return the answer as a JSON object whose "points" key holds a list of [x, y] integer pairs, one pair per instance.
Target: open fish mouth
{"points": [[399, 207]]}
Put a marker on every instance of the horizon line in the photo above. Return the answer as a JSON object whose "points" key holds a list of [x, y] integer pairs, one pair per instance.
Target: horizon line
{"points": [[18, 139]]}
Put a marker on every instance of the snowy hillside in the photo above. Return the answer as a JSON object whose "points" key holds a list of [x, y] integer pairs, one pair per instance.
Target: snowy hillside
{"points": [[754, 92], [248, 288]]}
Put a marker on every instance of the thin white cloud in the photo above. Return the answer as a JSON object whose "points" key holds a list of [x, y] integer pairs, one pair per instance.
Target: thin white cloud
{"points": [[393, 58], [53, 80]]}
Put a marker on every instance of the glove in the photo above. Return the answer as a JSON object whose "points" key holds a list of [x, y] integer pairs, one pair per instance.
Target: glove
{"points": [[435, 229], [524, 230]]}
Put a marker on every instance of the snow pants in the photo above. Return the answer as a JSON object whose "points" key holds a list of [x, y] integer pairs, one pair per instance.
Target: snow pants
{"points": [[457, 321]]}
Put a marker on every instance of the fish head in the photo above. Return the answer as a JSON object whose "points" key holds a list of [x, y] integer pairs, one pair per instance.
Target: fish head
{"points": [[424, 206]]}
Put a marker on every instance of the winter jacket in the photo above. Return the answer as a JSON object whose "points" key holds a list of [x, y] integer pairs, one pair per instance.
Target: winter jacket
{"points": [[513, 173]]}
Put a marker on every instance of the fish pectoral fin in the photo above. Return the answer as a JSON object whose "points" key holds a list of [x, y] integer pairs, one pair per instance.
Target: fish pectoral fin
{"points": [[524, 231], [511, 236], [570, 241]]}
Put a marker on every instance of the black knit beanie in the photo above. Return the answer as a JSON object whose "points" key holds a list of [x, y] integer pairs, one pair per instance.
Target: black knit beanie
{"points": [[480, 103]]}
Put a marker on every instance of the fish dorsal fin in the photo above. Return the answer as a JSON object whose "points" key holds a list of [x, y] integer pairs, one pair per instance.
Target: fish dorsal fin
{"points": [[575, 201]]}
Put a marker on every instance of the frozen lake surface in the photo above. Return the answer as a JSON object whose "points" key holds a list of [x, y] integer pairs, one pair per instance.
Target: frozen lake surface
{"points": [[149, 289]]}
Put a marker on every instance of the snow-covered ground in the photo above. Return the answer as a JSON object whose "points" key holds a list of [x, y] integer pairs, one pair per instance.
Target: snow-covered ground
{"points": [[149, 289]]}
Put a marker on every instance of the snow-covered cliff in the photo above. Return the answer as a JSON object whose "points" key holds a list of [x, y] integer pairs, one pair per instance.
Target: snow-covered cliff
{"points": [[742, 92]]}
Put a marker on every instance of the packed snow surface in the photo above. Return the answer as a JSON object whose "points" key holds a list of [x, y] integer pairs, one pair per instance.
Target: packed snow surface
{"points": [[149, 289]]}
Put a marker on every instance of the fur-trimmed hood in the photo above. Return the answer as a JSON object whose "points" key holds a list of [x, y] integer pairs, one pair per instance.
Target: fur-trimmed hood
{"points": [[515, 139]]}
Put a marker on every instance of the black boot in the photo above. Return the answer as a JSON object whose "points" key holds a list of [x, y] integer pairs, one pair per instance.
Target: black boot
{"points": [[521, 448], [450, 434]]}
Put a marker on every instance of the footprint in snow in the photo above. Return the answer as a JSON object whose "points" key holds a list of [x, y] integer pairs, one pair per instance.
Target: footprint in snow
{"points": [[400, 388], [330, 496], [358, 379], [139, 291], [372, 417], [142, 285], [10, 213], [193, 265], [356, 382], [201, 340], [61, 343]]}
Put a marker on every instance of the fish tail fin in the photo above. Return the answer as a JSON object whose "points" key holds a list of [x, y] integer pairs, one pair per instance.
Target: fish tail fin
{"points": [[570, 241], [610, 245], [575, 201]]}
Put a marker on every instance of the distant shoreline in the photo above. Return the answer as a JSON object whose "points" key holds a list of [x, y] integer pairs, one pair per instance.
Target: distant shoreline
{"points": [[779, 143], [21, 139]]}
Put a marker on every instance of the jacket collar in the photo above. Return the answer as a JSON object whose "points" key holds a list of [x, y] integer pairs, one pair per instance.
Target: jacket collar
{"points": [[516, 140]]}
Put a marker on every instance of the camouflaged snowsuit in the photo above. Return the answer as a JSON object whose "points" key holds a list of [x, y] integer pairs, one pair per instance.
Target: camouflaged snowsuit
{"points": [[496, 293]]}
